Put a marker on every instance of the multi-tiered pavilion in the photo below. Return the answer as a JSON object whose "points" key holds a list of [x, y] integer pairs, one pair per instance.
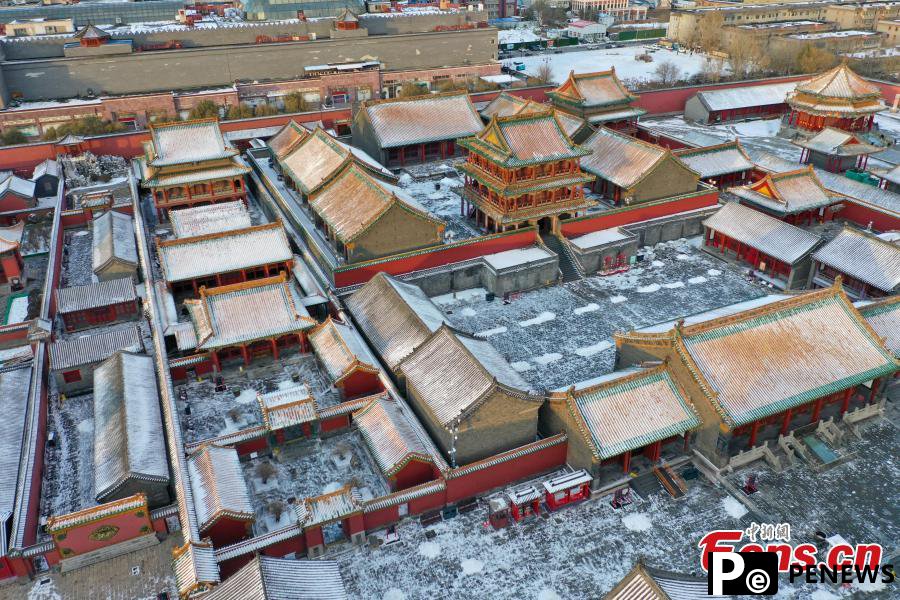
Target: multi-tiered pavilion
{"points": [[522, 170], [838, 98], [599, 98]]}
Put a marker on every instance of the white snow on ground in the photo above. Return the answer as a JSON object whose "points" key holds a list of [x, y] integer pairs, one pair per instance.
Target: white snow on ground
{"points": [[648, 289], [696, 280], [546, 359], [658, 263], [460, 296], [394, 594], [43, 591], [18, 310], [733, 507], [548, 594], [489, 332], [541, 318], [713, 272], [594, 349], [637, 522], [471, 565], [586, 309], [521, 366], [823, 595], [623, 59], [683, 257], [618, 299], [429, 549], [468, 312], [248, 396], [674, 285]]}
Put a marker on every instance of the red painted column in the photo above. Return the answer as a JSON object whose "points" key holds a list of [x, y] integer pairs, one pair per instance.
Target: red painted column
{"points": [[754, 430], [245, 354], [215, 361], [274, 348], [845, 405], [817, 409], [876, 383], [787, 421], [656, 450], [626, 461]]}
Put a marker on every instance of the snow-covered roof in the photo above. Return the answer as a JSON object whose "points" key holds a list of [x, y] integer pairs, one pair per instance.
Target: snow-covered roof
{"points": [[287, 139], [268, 578], [236, 168], [314, 160], [745, 96], [631, 411], [654, 584], [782, 241], [621, 159], [18, 186], [884, 317], [328, 508], [452, 373], [15, 384], [95, 295], [187, 142], [225, 251], [340, 349], [248, 311], [713, 161], [113, 240], [523, 139], [212, 218], [839, 82], [11, 236], [567, 481], [47, 167], [864, 257], [287, 407], [602, 88], [786, 193], [600, 238], [218, 485], [396, 317], [834, 141], [515, 258], [128, 434], [422, 119], [92, 348], [195, 567], [390, 435]]}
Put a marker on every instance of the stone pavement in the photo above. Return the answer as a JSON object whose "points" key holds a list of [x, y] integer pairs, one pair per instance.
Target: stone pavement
{"points": [[109, 580]]}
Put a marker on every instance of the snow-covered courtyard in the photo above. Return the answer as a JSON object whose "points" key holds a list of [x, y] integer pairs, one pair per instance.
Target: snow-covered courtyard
{"points": [[561, 335], [623, 59], [435, 187]]}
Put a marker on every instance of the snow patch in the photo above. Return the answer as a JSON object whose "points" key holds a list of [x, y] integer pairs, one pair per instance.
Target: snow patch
{"points": [[331, 487], [696, 280], [430, 549], [548, 594], [394, 594], [637, 522], [683, 257], [541, 318], [648, 289], [618, 299], [489, 332], [823, 595], [460, 296], [468, 312], [80, 233], [546, 359], [658, 263], [471, 565], [247, 396], [586, 309], [674, 285], [733, 507], [594, 349], [713, 272], [521, 365], [18, 310], [86, 426]]}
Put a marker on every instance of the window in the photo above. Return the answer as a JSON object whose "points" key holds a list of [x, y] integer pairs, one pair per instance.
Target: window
{"points": [[72, 376]]}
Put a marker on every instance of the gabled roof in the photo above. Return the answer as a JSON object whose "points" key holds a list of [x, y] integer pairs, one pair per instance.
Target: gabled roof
{"points": [[503, 105], [863, 256], [195, 568], [128, 434], [245, 312], [11, 237], [287, 139], [200, 256], [95, 295], [92, 348], [218, 485], [184, 142], [789, 192], [884, 318], [47, 167], [396, 317], [346, 16], [646, 583], [622, 159], [524, 139], [713, 161], [773, 237], [113, 240], [268, 578], [390, 436], [630, 411], [453, 373], [893, 175], [329, 507], [507, 104], [422, 119], [287, 407], [18, 186], [212, 218], [340, 350], [352, 201], [833, 141], [745, 96], [602, 88], [839, 82], [15, 384], [781, 355], [91, 32]]}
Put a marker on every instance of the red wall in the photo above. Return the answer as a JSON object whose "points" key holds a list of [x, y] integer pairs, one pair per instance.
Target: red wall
{"points": [[227, 531], [437, 257], [360, 384], [639, 213], [129, 523], [673, 100], [862, 214], [414, 473]]}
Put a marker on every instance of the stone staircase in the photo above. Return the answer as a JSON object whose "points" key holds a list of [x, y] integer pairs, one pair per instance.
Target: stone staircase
{"points": [[568, 266]]}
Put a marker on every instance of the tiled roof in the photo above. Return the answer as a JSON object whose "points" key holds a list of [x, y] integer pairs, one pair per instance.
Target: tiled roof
{"points": [[340, 349], [188, 142], [314, 160], [92, 348], [503, 105], [15, 384], [620, 158], [389, 434], [11, 236], [833, 141], [91, 32], [863, 256], [218, 485], [128, 435], [244, 312], [771, 236], [113, 239], [713, 161], [287, 138], [328, 507], [47, 167], [453, 373], [631, 411], [234, 169], [268, 578], [201, 256], [371, 199], [783, 355], [287, 407], [396, 317], [789, 192], [884, 317], [602, 88], [524, 139], [746, 96], [18, 186], [839, 82], [95, 513], [195, 568], [422, 119], [507, 104], [95, 295], [645, 583], [212, 218]]}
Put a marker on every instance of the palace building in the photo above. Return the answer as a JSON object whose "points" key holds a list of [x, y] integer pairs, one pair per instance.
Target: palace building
{"points": [[96, 304], [723, 165], [599, 98], [287, 138], [507, 104], [869, 266], [521, 170], [346, 359], [838, 98], [189, 163], [790, 363], [796, 197], [884, 317], [221, 499], [114, 251], [836, 151]]}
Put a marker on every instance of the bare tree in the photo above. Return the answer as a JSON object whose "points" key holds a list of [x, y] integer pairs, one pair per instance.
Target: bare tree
{"points": [[667, 73], [713, 68], [813, 60], [265, 470], [544, 73], [276, 507], [710, 32], [747, 57], [234, 414]]}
